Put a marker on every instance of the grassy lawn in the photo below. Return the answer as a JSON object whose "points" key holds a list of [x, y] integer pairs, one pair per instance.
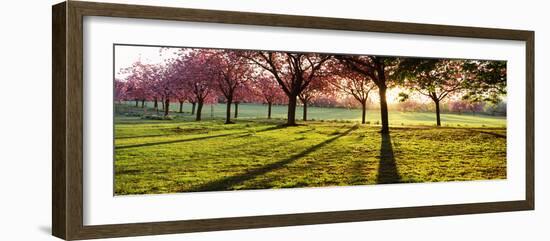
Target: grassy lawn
{"points": [[182, 155]]}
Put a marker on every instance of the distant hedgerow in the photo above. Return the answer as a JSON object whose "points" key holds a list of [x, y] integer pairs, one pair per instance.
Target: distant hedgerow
{"points": [[157, 117]]}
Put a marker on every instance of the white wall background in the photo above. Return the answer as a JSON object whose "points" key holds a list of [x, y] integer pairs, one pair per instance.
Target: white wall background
{"points": [[25, 120]]}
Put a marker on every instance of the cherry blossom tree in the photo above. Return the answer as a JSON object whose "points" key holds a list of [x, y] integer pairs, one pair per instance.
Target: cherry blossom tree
{"points": [[169, 85], [319, 86], [120, 90], [352, 83], [138, 78], [234, 71], [293, 71], [197, 73], [458, 106], [154, 87], [190, 97], [243, 93], [379, 69], [434, 78], [268, 90], [181, 96], [476, 106]]}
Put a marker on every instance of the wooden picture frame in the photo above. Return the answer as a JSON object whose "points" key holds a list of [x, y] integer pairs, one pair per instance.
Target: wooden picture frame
{"points": [[67, 124]]}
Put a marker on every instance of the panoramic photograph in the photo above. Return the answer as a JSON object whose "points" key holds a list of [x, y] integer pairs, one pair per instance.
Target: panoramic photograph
{"points": [[201, 119]]}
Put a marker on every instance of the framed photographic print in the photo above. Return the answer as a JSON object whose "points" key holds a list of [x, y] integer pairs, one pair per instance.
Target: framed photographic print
{"points": [[170, 120]]}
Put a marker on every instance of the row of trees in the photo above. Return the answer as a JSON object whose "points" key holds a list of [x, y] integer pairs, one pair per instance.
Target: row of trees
{"points": [[454, 106], [200, 76]]}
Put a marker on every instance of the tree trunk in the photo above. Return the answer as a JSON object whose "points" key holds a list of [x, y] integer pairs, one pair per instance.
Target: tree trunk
{"points": [[291, 116], [437, 112], [162, 102], [142, 103], [181, 106], [364, 113], [156, 104], [137, 103], [236, 109], [167, 107], [269, 110], [305, 110], [228, 111], [199, 110], [384, 109], [193, 107]]}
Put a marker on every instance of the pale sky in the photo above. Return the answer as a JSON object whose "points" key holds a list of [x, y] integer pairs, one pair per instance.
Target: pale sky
{"points": [[125, 56]]}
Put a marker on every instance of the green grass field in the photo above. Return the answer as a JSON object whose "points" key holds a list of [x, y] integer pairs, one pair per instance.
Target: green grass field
{"points": [[181, 155]]}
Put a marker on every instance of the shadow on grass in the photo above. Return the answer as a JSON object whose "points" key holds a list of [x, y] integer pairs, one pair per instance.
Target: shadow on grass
{"points": [[143, 136], [193, 139], [177, 141], [228, 182], [276, 127], [489, 133], [387, 170]]}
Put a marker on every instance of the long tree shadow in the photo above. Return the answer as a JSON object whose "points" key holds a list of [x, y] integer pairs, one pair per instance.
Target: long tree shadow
{"points": [[276, 127], [228, 182], [193, 139], [489, 133], [387, 170], [143, 136], [178, 141]]}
